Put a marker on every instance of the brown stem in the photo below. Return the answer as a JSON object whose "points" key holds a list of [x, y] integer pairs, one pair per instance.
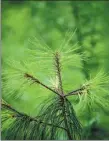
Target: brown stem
{"points": [[78, 91], [62, 98], [35, 80], [75, 92], [58, 71]]}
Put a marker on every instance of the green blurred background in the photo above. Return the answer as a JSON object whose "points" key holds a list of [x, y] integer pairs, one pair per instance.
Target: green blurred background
{"points": [[51, 19]]}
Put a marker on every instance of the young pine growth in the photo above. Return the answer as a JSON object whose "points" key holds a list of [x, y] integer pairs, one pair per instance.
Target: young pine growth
{"points": [[56, 117]]}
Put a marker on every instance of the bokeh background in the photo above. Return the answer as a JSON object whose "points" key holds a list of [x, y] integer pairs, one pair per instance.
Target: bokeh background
{"points": [[50, 20]]}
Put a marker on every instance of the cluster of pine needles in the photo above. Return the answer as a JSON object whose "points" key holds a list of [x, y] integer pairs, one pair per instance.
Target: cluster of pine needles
{"points": [[57, 118]]}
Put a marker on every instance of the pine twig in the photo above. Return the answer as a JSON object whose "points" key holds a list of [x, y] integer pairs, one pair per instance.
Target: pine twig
{"points": [[77, 91], [35, 80], [58, 71]]}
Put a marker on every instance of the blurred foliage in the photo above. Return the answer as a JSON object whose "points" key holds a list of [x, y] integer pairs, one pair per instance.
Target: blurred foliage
{"points": [[22, 20]]}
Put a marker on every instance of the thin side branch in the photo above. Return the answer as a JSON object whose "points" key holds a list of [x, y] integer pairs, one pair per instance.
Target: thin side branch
{"points": [[77, 91], [8, 107], [74, 92], [20, 115], [35, 80]]}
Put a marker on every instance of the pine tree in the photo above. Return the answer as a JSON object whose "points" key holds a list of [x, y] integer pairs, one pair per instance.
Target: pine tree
{"points": [[58, 114]]}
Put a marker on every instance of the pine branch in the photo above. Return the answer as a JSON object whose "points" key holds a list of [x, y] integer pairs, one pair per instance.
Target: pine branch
{"points": [[35, 80], [21, 115], [58, 71], [62, 98]]}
